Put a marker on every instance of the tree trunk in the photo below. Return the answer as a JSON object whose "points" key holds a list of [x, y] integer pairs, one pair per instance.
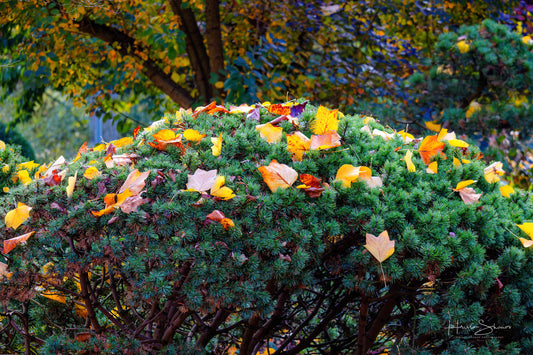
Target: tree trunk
{"points": [[214, 36]]}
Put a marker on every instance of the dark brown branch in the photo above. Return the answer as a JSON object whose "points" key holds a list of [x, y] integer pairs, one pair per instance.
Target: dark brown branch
{"points": [[126, 46], [274, 320], [213, 36], [87, 299], [363, 317], [194, 44], [252, 326], [210, 331]]}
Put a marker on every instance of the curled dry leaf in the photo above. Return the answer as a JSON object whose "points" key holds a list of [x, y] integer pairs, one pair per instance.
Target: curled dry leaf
{"points": [[10, 244], [278, 175], [134, 182], [429, 148]]}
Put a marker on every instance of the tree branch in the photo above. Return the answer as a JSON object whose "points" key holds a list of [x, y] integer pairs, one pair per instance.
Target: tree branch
{"points": [[126, 46]]}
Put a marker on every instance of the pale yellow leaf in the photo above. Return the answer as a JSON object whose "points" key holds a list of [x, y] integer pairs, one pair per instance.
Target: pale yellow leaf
{"points": [[381, 247]]}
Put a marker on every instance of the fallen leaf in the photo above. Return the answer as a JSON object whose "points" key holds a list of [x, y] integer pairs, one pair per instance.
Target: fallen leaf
{"points": [[216, 216], [380, 247], [201, 180], [528, 229], [458, 143], [24, 177], [222, 192], [432, 168], [216, 149], [430, 147], [55, 166], [408, 161], [165, 137], [330, 139], [19, 215], [279, 109], [55, 296], [134, 182], [506, 190], [122, 142], [270, 133], [297, 145], [349, 173], [325, 121], [193, 135], [10, 244], [468, 194], [91, 173], [278, 175], [493, 171], [71, 184], [131, 203], [227, 223]]}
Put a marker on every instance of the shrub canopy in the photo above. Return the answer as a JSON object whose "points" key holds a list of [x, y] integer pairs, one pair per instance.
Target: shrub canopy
{"points": [[254, 228]]}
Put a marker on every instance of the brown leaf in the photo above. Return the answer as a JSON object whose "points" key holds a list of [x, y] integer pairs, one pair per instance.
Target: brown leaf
{"points": [[132, 203], [469, 195], [380, 247], [135, 182], [278, 175], [216, 216]]}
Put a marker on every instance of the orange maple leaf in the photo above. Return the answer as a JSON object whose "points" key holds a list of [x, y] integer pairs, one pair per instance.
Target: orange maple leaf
{"points": [[430, 147], [279, 109], [278, 175]]}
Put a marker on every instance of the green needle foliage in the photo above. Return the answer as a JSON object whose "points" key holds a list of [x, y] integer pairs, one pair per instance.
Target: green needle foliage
{"points": [[289, 274]]}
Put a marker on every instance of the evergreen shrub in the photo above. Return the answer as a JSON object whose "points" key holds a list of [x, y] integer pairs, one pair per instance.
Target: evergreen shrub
{"points": [[130, 249]]}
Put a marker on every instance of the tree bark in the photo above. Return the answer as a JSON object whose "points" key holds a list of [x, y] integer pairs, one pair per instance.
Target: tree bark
{"points": [[214, 36], [194, 44], [126, 46]]}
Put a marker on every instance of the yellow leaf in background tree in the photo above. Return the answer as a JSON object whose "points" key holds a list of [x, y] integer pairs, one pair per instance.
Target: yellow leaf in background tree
{"points": [[193, 135], [224, 193], [216, 149], [71, 184], [430, 147], [19, 215], [91, 173], [278, 175], [432, 168], [330, 139], [408, 161], [506, 190], [5, 169], [269, 132], [10, 244], [297, 145], [5, 189], [24, 177], [472, 108], [458, 143], [381, 247], [325, 120], [349, 173], [463, 46], [433, 126], [201, 180], [528, 229], [493, 171]]}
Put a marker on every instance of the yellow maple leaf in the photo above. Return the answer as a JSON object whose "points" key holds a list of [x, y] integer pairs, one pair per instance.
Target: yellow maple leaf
{"points": [[19, 215], [297, 145], [122, 142], [409, 162], [269, 132], [325, 120], [193, 135], [381, 247], [216, 149], [222, 192]]}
